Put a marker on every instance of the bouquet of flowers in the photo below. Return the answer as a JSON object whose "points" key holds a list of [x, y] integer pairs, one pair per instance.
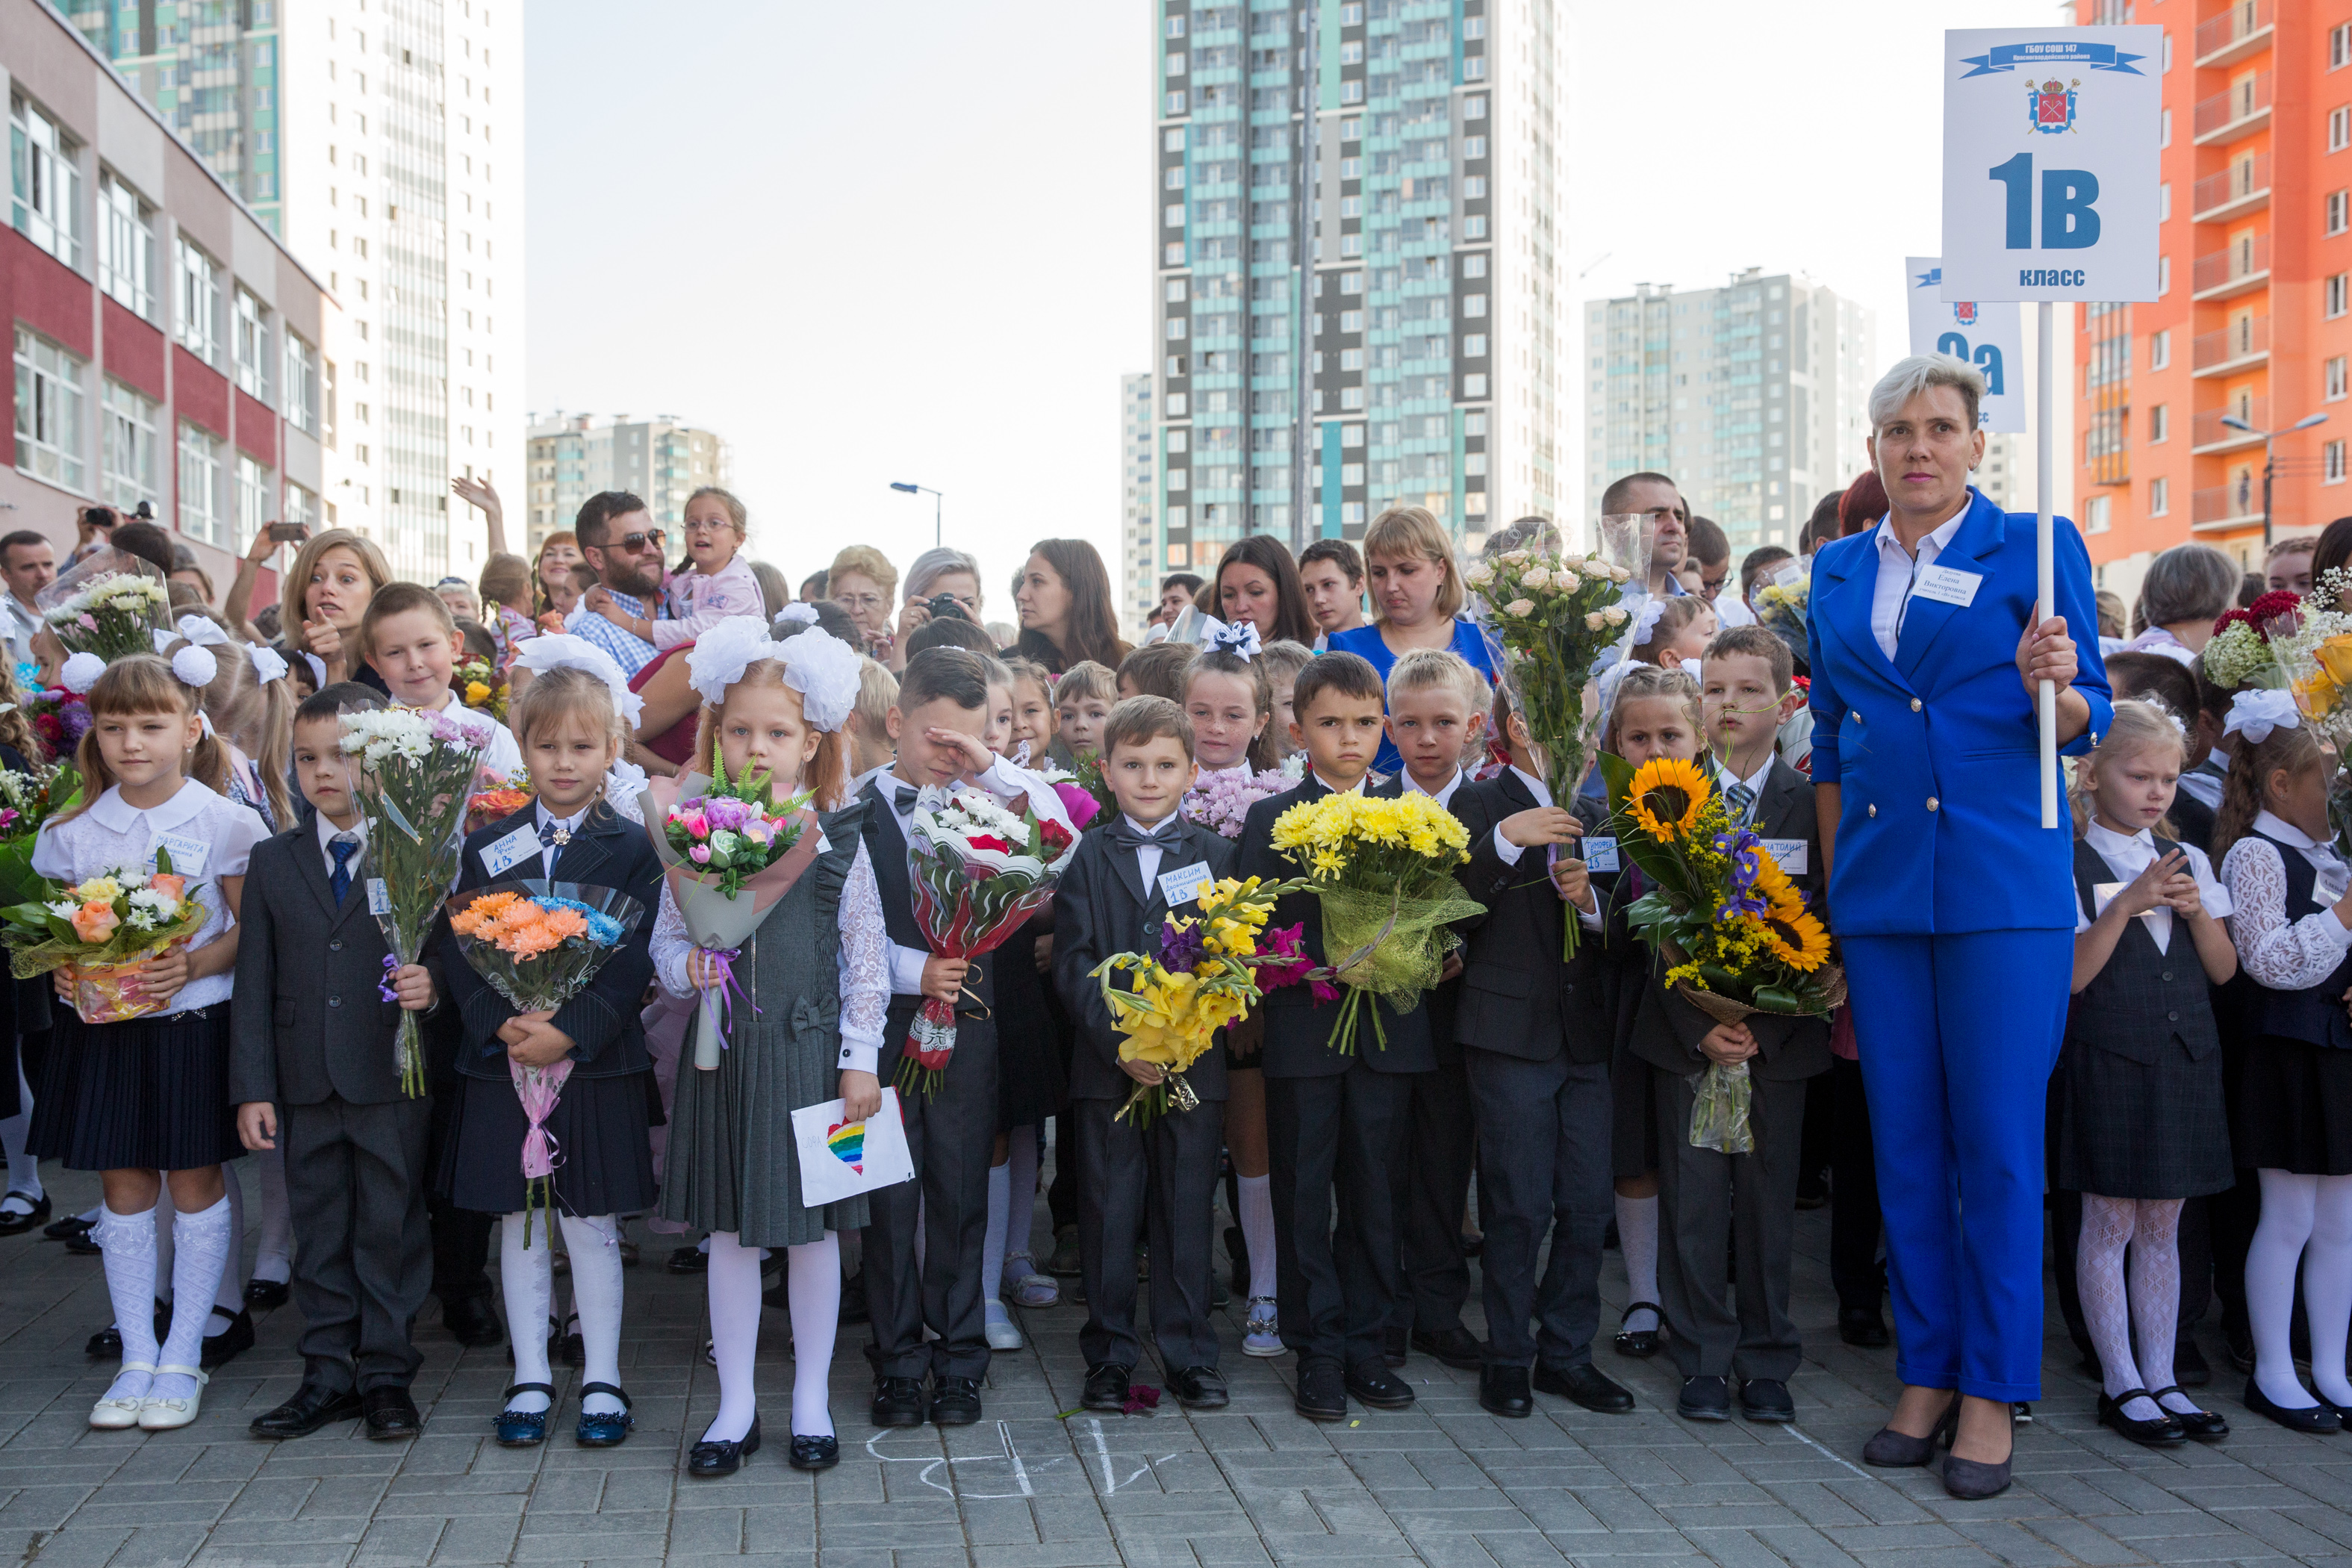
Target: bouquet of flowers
{"points": [[1384, 871], [1203, 977], [415, 779], [2239, 653], [1220, 803], [980, 869], [1082, 800], [100, 930], [482, 689], [1086, 778], [539, 948], [60, 719], [109, 603], [729, 851], [26, 801], [495, 798], [1732, 927]]}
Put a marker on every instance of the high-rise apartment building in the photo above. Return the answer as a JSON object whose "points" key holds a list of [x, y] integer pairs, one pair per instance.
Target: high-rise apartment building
{"points": [[2251, 331], [1753, 396], [1138, 509], [1359, 260], [661, 460], [383, 141]]}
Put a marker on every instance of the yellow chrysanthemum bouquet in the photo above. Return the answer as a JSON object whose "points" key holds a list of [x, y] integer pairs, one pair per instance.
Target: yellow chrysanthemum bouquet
{"points": [[1733, 929], [1384, 871]]}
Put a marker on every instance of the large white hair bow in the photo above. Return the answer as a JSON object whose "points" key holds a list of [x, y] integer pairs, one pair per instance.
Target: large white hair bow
{"points": [[565, 651], [269, 664], [1647, 621], [1240, 638], [823, 668], [2255, 714], [797, 612]]}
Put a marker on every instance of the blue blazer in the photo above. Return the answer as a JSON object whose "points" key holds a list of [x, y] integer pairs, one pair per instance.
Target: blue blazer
{"points": [[1940, 827]]}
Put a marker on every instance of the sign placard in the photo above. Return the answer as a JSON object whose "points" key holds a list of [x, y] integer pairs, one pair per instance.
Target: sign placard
{"points": [[1986, 334], [2051, 162]]}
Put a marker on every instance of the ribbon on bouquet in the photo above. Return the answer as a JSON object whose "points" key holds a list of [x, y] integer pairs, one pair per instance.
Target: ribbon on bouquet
{"points": [[714, 1000], [539, 1089]]}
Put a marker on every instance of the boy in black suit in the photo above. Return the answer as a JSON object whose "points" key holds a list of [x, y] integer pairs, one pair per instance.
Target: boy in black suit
{"points": [[1115, 897], [1334, 1121], [313, 1063]]}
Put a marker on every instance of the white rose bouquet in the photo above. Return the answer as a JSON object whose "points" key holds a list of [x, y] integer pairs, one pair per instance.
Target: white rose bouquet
{"points": [[108, 602]]}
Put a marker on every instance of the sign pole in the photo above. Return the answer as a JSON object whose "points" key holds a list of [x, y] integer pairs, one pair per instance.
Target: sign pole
{"points": [[2045, 466]]}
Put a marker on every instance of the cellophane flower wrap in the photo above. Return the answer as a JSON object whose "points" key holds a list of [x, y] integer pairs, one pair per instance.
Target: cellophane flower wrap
{"points": [[109, 603], [26, 801], [2310, 643], [1220, 801], [1202, 977], [539, 947], [980, 869], [1382, 869], [1547, 620], [415, 772], [1730, 926], [98, 928]]}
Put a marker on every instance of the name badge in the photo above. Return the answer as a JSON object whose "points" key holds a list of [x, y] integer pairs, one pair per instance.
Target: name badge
{"points": [[1948, 585], [2104, 893], [520, 845], [1184, 885], [188, 853], [379, 897], [1789, 854], [1788, 576], [1598, 854]]}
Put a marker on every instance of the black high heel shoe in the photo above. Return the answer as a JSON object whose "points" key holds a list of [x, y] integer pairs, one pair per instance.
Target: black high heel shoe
{"points": [[709, 1460], [1891, 1450]]}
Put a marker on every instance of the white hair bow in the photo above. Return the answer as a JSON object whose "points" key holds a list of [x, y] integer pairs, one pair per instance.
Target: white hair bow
{"points": [[196, 665], [80, 673], [2255, 714], [269, 664], [724, 652], [1240, 639], [823, 668], [318, 671], [797, 612], [564, 650], [203, 632], [1647, 621]]}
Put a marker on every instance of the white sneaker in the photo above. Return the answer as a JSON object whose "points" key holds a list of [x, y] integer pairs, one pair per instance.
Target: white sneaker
{"points": [[165, 1414], [121, 1415], [1261, 1335], [1002, 1333]]}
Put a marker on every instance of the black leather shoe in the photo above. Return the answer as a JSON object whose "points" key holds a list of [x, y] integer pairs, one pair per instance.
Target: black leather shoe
{"points": [[1200, 1388], [815, 1453], [2320, 1420], [1587, 1385], [955, 1401], [1640, 1344], [104, 1345], [1456, 1347], [224, 1347], [388, 1413], [1766, 1399], [1394, 1345], [687, 1259], [266, 1294], [898, 1402], [1106, 1387], [1704, 1399], [66, 1229], [313, 1405], [2163, 1432], [82, 1243], [1373, 1384], [1862, 1327], [1503, 1391], [708, 1460], [472, 1321], [13, 1224], [1322, 1391], [2205, 1425], [2190, 1368]]}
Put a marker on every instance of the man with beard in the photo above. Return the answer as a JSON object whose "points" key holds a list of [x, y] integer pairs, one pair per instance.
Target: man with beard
{"points": [[622, 546]]}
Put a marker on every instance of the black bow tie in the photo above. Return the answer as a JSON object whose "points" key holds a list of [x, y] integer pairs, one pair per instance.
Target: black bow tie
{"points": [[1125, 835], [903, 797]]}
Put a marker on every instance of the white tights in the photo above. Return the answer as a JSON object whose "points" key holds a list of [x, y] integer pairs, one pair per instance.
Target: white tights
{"points": [[527, 1277], [2150, 1228], [812, 1284], [2308, 1219]]}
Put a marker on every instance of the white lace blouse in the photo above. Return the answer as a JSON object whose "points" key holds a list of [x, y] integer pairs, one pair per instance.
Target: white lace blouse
{"points": [[2280, 955], [864, 963]]}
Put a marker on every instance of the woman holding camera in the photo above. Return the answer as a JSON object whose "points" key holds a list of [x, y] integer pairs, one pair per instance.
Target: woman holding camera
{"points": [[941, 581]]}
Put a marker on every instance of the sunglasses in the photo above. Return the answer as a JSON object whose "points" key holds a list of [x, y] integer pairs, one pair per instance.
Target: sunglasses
{"points": [[634, 542]]}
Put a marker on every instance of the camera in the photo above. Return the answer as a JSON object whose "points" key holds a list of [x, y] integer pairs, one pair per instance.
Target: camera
{"points": [[101, 516], [946, 607]]}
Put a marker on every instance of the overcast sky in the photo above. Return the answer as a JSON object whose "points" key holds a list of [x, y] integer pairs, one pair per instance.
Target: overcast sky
{"points": [[913, 241]]}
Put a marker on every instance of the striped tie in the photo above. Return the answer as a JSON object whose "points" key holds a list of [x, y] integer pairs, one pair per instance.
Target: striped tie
{"points": [[1740, 799]]}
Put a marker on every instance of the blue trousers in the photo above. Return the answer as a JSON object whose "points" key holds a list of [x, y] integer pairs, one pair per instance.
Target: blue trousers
{"points": [[1957, 1036]]}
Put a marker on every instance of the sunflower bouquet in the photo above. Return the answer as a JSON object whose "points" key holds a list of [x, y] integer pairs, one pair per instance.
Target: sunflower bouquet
{"points": [[1382, 868], [1731, 927]]}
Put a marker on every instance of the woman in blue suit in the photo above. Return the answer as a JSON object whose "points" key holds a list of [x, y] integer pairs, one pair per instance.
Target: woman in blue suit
{"points": [[1954, 905]]}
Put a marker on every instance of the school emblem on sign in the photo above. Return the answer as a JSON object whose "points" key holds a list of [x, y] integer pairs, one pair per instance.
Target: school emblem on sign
{"points": [[2051, 106], [1964, 313]]}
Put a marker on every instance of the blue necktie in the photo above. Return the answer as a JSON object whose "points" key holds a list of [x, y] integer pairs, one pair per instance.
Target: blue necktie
{"points": [[553, 837], [342, 849], [1741, 800]]}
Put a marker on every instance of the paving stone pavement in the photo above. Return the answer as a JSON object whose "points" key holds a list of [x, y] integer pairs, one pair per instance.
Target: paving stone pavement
{"points": [[1443, 1483]]}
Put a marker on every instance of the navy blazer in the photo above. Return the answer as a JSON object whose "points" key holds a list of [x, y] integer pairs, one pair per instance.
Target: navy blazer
{"points": [[1940, 827]]}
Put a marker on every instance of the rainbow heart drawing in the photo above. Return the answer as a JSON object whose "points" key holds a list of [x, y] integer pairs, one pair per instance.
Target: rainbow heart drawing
{"points": [[847, 1142]]}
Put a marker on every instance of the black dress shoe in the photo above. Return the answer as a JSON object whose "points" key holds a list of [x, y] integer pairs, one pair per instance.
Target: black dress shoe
{"points": [[104, 1345], [266, 1294], [1322, 1391], [1394, 1345], [389, 1413], [1585, 1385], [313, 1405], [1373, 1383], [1640, 1344], [2163, 1432], [1503, 1391], [1456, 1346], [221, 1348], [1106, 1387], [2190, 1368], [898, 1402], [709, 1459], [14, 1224], [687, 1259], [955, 1401], [815, 1453], [1200, 1388], [1766, 1399], [2205, 1425], [1704, 1399], [472, 1321], [82, 1243], [1862, 1327], [65, 1229], [2320, 1420]]}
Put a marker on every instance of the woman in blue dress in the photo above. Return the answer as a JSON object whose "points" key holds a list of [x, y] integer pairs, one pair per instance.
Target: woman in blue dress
{"points": [[1416, 599]]}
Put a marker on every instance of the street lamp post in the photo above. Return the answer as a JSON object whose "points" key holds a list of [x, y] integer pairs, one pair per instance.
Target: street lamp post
{"points": [[937, 498], [2305, 423]]}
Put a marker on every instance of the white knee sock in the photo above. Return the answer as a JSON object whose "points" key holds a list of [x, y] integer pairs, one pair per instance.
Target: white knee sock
{"points": [[813, 1282], [1257, 1231], [273, 1257], [229, 1294], [527, 1279], [594, 1245], [1637, 1238], [2107, 1226], [733, 1281], [200, 1244], [2288, 1202], [24, 1171], [2156, 1294], [129, 1243], [1021, 1168], [2327, 1288], [991, 1248]]}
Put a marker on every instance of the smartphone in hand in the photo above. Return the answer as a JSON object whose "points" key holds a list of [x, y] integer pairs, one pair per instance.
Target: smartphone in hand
{"points": [[288, 532]]}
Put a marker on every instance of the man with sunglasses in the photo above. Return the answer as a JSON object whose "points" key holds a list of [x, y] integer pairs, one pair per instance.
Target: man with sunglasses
{"points": [[622, 546]]}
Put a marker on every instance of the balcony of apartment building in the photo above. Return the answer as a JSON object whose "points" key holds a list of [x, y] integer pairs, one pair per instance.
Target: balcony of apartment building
{"points": [[2208, 434], [2240, 109], [2241, 345], [2241, 188], [2238, 267], [2238, 33], [2222, 509]]}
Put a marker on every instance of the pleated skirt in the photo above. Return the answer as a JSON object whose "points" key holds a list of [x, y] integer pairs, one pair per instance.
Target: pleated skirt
{"points": [[604, 1148], [2292, 1108], [2123, 1129], [151, 1094]]}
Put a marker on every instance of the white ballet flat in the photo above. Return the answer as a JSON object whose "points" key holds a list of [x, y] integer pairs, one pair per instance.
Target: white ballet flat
{"points": [[165, 1414], [119, 1415], [1004, 1334]]}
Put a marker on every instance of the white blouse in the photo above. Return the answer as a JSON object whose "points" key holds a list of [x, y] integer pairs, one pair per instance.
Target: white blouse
{"points": [[113, 834], [2283, 955], [2125, 857], [864, 963]]}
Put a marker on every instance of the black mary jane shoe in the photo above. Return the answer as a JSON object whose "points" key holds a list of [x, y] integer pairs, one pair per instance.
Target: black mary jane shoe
{"points": [[2205, 1425], [2320, 1420], [709, 1459], [222, 1348], [815, 1453], [66, 1229], [13, 1224], [689, 1259], [1639, 1343], [267, 1295], [606, 1431], [2164, 1432], [523, 1428]]}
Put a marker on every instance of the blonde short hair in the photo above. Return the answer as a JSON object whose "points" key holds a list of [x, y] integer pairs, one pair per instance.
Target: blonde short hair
{"points": [[1403, 532], [877, 693], [1423, 668], [867, 561], [1083, 680]]}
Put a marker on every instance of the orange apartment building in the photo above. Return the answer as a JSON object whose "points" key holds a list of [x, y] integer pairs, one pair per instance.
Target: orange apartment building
{"points": [[2254, 318]]}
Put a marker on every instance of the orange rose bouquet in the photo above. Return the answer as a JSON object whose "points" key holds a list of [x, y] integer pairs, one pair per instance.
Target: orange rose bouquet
{"points": [[100, 929]]}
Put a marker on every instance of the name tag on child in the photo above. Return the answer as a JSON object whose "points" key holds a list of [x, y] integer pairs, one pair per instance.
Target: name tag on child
{"points": [[187, 853], [520, 845], [1789, 854], [1184, 885], [2104, 893], [1598, 854], [1948, 585], [379, 897]]}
